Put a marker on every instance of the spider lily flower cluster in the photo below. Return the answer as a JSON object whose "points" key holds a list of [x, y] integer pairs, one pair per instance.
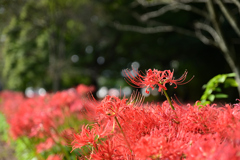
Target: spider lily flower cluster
{"points": [[154, 78], [40, 121], [150, 133], [147, 131], [129, 129]]}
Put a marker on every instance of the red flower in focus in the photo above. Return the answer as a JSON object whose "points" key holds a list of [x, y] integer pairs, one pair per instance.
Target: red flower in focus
{"points": [[111, 106], [107, 150], [85, 138], [154, 78]]}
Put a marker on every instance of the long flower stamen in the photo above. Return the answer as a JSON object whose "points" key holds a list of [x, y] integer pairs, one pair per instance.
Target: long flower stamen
{"points": [[154, 78]]}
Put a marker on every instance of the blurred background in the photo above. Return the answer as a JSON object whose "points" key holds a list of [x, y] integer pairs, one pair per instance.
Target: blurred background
{"points": [[51, 45]]}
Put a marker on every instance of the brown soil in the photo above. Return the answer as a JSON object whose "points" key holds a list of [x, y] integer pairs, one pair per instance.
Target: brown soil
{"points": [[6, 152]]}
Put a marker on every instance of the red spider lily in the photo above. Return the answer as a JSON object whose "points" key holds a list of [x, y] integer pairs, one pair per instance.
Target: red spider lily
{"points": [[111, 106], [154, 78], [206, 132], [38, 116], [42, 119], [90, 136], [85, 138], [107, 150], [159, 148], [203, 133]]}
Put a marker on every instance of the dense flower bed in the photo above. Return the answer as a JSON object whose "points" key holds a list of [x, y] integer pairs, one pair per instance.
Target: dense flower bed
{"points": [[128, 129], [44, 119], [150, 131], [68, 124]]}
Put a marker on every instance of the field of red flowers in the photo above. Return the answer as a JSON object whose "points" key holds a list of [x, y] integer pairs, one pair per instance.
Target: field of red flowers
{"points": [[36, 126], [70, 125]]}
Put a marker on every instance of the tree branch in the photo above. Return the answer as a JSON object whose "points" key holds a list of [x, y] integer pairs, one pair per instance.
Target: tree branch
{"points": [[216, 25], [158, 29], [237, 3], [171, 7], [151, 3], [143, 29], [214, 30], [222, 44], [229, 17], [201, 26]]}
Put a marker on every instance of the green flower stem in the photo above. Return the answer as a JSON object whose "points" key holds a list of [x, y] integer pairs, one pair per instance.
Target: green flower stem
{"points": [[169, 101], [123, 133], [61, 146], [65, 152]]}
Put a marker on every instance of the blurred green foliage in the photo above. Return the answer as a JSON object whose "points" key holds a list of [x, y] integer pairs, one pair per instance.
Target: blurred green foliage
{"points": [[39, 43], [25, 147], [3, 128]]}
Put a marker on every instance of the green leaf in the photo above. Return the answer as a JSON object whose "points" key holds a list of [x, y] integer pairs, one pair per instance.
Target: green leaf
{"points": [[204, 96], [211, 97], [221, 95], [222, 78], [209, 91], [230, 82], [204, 86], [211, 84], [218, 89], [207, 102], [203, 103], [231, 75]]}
